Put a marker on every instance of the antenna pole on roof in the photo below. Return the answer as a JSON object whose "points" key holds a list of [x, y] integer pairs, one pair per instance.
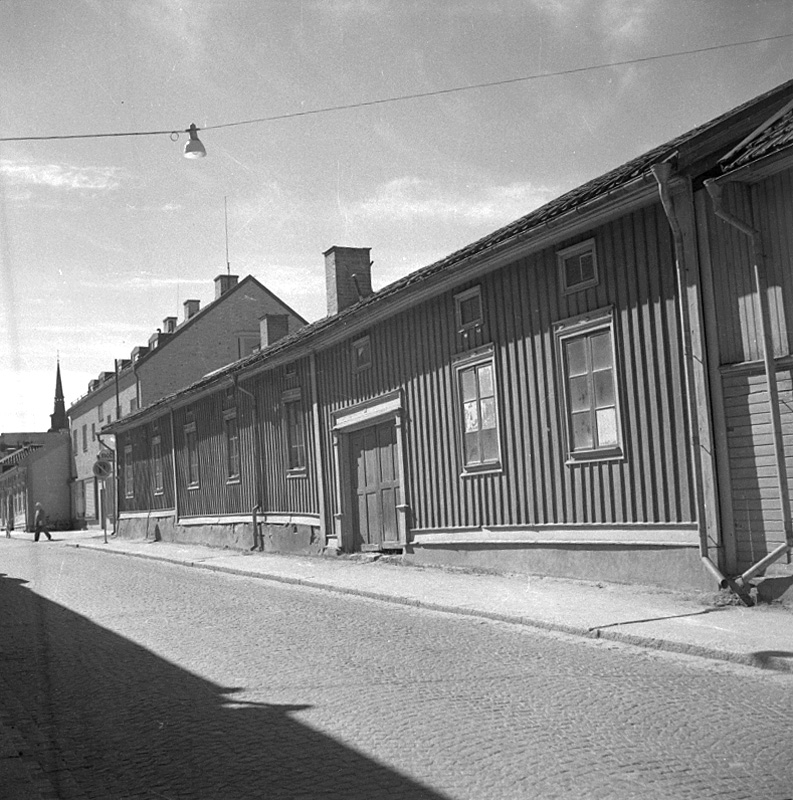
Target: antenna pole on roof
{"points": [[226, 216]]}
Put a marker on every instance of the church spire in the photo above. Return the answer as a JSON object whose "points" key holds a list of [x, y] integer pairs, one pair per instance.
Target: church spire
{"points": [[58, 421]]}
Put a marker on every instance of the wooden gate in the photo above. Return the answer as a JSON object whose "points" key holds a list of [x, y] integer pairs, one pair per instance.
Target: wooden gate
{"points": [[375, 487]]}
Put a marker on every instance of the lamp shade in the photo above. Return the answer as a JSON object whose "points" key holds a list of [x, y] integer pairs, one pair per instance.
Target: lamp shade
{"points": [[194, 148]]}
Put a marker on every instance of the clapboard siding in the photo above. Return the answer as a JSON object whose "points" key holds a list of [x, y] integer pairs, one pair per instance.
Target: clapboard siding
{"points": [[756, 506], [415, 352]]}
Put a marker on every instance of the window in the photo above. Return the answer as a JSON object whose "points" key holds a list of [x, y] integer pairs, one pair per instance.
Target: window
{"points": [[578, 267], [133, 405], [99, 412], [156, 457], [468, 309], [477, 391], [589, 381], [247, 344], [85, 438], [361, 354], [191, 443], [232, 447], [295, 436], [129, 485], [93, 431], [74, 440]]}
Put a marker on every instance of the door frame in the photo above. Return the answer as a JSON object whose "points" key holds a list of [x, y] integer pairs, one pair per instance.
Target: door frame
{"points": [[385, 408]]}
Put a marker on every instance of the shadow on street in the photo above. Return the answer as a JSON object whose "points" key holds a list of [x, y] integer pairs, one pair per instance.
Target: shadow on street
{"points": [[100, 715]]}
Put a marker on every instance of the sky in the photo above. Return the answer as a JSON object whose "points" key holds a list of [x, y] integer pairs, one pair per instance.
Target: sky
{"points": [[101, 238]]}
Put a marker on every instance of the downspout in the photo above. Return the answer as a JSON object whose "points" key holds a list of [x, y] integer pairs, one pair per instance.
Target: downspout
{"points": [[715, 190], [662, 172], [318, 471], [258, 539]]}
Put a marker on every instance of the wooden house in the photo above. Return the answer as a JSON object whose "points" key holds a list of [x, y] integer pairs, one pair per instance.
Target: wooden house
{"points": [[571, 395]]}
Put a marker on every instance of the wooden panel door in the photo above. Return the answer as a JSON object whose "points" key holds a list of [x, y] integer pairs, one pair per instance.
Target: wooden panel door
{"points": [[375, 486]]}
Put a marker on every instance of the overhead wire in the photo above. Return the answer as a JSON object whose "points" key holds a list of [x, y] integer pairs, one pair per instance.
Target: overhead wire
{"points": [[405, 97]]}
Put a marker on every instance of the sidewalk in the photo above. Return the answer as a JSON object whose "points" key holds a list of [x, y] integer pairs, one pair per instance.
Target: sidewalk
{"points": [[696, 625]]}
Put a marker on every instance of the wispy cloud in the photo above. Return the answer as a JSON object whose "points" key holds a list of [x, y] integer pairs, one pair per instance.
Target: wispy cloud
{"points": [[60, 176], [413, 198]]}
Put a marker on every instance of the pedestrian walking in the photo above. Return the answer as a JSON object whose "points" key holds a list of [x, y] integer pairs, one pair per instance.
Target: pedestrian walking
{"points": [[40, 524]]}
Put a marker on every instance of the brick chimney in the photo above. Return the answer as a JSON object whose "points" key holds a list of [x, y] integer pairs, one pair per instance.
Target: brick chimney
{"points": [[169, 325], [272, 328], [348, 277], [191, 308], [223, 283]]}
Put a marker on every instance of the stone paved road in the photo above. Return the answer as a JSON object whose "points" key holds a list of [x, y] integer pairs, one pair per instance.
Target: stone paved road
{"points": [[139, 680]]}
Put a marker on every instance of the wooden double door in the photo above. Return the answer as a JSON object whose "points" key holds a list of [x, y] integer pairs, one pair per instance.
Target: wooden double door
{"points": [[375, 489]]}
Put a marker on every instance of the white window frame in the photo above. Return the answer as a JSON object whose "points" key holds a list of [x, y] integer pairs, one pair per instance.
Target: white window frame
{"points": [[129, 475], [157, 465], [586, 326], [579, 249], [475, 360], [231, 475], [190, 431]]}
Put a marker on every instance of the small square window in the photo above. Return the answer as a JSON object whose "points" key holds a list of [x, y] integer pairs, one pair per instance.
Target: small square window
{"points": [[468, 309], [361, 354], [578, 268]]}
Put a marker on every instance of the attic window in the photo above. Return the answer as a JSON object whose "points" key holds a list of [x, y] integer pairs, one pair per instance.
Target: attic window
{"points": [[578, 268], [468, 308], [361, 354]]}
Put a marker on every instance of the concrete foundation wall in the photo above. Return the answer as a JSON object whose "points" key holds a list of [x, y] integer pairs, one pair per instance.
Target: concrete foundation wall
{"points": [[668, 567], [298, 539]]}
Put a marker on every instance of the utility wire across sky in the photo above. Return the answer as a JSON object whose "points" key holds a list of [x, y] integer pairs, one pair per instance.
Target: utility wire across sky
{"points": [[402, 98]]}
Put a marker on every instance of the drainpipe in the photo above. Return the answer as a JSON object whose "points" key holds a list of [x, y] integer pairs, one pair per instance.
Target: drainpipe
{"points": [[258, 539], [662, 173], [715, 190]]}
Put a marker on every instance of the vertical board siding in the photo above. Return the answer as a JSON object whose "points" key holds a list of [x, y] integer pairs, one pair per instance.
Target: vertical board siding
{"points": [[282, 492], [215, 494], [536, 485], [144, 497]]}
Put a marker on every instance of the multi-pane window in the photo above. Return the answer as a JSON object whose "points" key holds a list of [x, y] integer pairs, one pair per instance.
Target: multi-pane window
{"points": [[590, 386], [129, 484], [578, 267], [191, 443], [232, 448], [295, 436], [477, 387], [468, 308], [156, 456]]}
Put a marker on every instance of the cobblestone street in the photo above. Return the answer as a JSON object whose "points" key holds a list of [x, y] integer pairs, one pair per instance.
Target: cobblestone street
{"points": [[122, 678]]}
